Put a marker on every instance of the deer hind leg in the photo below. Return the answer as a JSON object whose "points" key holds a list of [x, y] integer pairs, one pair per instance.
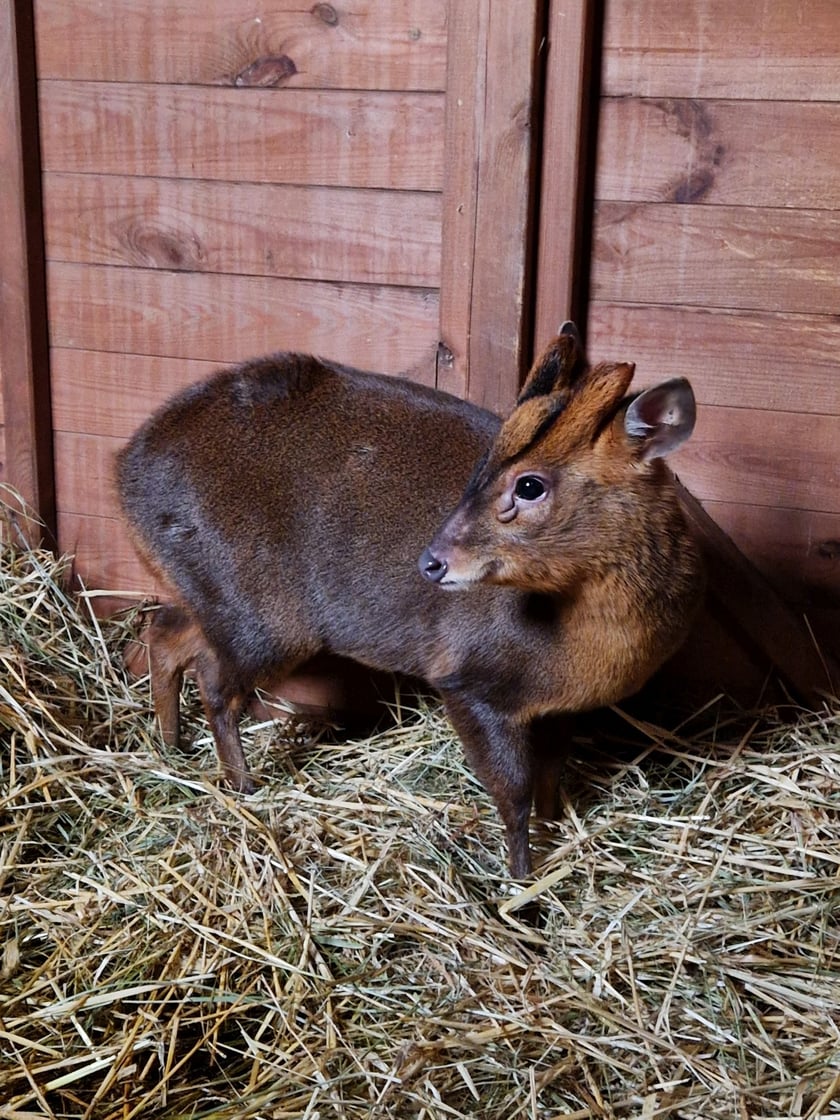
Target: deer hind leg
{"points": [[177, 643], [175, 640], [499, 751]]}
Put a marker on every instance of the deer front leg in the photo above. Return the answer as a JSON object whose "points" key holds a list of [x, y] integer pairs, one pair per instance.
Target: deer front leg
{"points": [[550, 736], [498, 749]]}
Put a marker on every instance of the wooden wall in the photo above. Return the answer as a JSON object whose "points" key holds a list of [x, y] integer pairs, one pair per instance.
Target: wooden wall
{"points": [[26, 461], [218, 184], [716, 254], [222, 180]]}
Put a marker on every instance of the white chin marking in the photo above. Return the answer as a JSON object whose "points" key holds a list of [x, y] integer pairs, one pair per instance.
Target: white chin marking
{"points": [[452, 583]]}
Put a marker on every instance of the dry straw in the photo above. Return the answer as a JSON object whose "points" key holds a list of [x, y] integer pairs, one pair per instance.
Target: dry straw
{"points": [[345, 943]]}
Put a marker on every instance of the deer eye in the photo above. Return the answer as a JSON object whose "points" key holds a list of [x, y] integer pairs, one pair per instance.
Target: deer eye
{"points": [[529, 488]]}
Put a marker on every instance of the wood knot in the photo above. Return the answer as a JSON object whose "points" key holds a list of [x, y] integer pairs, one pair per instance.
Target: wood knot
{"points": [[705, 155], [326, 13], [266, 72], [829, 550], [445, 357], [694, 187], [159, 247]]}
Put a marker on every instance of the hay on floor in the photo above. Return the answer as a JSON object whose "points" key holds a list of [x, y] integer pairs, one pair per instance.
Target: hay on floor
{"points": [[346, 943]]}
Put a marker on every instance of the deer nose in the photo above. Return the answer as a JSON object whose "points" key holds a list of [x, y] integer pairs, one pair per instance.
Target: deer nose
{"points": [[432, 568]]}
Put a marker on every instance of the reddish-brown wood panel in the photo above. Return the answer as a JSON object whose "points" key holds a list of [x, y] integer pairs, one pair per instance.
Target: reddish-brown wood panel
{"points": [[798, 550], [332, 138], [106, 394], [225, 319], [26, 462], [751, 360], [488, 192], [717, 256], [397, 45], [80, 459], [783, 459], [317, 233], [748, 153], [716, 241], [715, 48], [109, 394], [564, 175], [195, 220], [105, 558]]}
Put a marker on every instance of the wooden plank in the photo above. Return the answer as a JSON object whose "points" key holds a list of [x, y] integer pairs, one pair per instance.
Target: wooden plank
{"points": [[742, 153], [488, 199], [318, 233], [227, 319], [369, 45], [781, 459], [721, 256], [560, 292], [85, 474], [714, 48], [797, 550], [752, 608], [501, 316], [784, 363], [109, 394], [104, 394], [24, 368], [334, 138], [104, 557], [464, 120]]}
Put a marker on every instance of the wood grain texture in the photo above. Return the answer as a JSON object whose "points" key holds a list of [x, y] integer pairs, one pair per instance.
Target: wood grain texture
{"points": [[755, 612], [559, 293], [487, 200], [332, 138], [226, 319], [463, 123], [744, 153], [106, 394], [85, 474], [27, 462], [781, 459], [716, 242], [798, 550], [104, 556], [714, 48], [720, 256], [751, 360], [501, 311], [366, 45], [316, 233], [110, 394]]}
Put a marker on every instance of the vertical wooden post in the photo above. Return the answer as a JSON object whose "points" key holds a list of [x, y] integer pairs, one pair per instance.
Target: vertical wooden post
{"points": [[492, 92], [564, 176], [24, 349]]}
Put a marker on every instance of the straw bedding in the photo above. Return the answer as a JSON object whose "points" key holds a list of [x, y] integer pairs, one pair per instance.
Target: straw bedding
{"points": [[345, 943]]}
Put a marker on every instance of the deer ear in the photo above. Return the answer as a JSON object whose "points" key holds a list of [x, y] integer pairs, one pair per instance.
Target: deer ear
{"points": [[558, 367], [571, 330], [662, 418]]}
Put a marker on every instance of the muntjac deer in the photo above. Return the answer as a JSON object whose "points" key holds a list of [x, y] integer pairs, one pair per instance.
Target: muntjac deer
{"points": [[289, 501]]}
